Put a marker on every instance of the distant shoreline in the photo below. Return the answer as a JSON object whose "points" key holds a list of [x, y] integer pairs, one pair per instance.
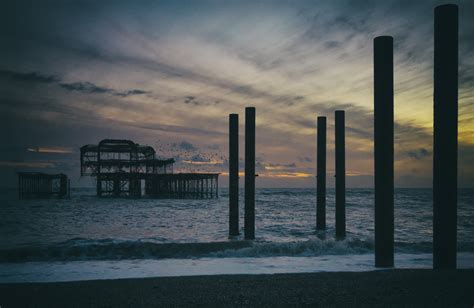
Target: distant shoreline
{"points": [[420, 287]]}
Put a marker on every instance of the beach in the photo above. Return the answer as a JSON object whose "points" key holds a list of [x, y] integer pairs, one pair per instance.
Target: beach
{"points": [[421, 287]]}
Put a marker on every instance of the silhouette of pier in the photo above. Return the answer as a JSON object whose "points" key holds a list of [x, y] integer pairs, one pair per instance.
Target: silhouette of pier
{"points": [[37, 185], [124, 168]]}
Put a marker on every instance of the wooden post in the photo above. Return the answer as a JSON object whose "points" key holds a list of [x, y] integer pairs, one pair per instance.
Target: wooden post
{"points": [[202, 188], [340, 174], [321, 175], [445, 136], [249, 173], [233, 174], [20, 186], [383, 152]]}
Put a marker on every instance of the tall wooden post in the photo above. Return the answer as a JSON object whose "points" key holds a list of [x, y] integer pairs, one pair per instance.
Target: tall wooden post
{"points": [[340, 175], [98, 177], [20, 186], [383, 152], [445, 136], [233, 174], [321, 175], [249, 173], [68, 188]]}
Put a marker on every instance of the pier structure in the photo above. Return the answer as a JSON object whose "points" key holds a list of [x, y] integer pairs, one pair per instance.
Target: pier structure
{"points": [[36, 185], [123, 168]]}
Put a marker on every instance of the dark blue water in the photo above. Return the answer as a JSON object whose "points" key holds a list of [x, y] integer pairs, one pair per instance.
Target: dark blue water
{"points": [[88, 228]]}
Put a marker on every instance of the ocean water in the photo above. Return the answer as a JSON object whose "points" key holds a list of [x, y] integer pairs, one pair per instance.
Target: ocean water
{"points": [[86, 237]]}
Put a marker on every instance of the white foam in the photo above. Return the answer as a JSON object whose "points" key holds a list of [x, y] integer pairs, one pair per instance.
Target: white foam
{"points": [[107, 269]]}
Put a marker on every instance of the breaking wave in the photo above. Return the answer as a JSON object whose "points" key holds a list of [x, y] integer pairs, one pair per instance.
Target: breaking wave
{"points": [[110, 249]]}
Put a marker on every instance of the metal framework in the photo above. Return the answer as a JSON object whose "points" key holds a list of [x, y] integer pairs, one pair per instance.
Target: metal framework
{"points": [[124, 168], [34, 185]]}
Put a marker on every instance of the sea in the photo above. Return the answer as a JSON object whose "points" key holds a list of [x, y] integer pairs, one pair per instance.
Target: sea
{"points": [[86, 238]]}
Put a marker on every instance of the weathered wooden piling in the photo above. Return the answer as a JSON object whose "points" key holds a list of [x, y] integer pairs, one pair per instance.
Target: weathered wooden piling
{"points": [[445, 136], [233, 174], [321, 175], [340, 174], [249, 173], [383, 150]]}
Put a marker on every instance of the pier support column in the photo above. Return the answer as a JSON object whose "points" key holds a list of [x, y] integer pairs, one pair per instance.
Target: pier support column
{"points": [[340, 175], [233, 174], [116, 187], [383, 150], [445, 136], [249, 173], [99, 186], [321, 175]]}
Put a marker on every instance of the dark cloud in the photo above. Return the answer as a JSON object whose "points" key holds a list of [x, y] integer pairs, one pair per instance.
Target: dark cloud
{"points": [[83, 87], [131, 92], [418, 154], [290, 101], [29, 77], [88, 87], [186, 146], [191, 100]]}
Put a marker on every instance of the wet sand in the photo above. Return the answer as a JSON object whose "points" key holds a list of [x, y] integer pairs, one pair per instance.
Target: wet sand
{"points": [[346, 289]]}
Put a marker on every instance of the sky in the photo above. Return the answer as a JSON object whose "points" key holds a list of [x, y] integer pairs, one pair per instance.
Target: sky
{"points": [[168, 73]]}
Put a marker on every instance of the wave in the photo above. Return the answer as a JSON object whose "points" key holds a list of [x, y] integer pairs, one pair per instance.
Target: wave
{"points": [[110, 249]]}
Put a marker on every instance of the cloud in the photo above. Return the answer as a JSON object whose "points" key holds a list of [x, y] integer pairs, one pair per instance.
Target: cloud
{"points": [[51, 150], [29, 77], [199, 159], [418, 154], [83, 87], [191, 100], [273, 166], [88, 87], [137, 92], [186, 146]]}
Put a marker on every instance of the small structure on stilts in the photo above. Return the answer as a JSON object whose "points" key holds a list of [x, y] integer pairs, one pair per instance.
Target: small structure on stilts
{"points": [[37, 185]]}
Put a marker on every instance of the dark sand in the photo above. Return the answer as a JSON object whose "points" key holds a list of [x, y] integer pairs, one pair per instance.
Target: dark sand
{"points": [[390, 288]]}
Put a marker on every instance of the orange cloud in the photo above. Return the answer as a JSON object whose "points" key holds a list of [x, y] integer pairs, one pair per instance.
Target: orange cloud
{"points": [[52, 150]]}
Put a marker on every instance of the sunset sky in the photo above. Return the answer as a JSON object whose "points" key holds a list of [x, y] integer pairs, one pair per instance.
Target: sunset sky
{"points": [[168, 73]]}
